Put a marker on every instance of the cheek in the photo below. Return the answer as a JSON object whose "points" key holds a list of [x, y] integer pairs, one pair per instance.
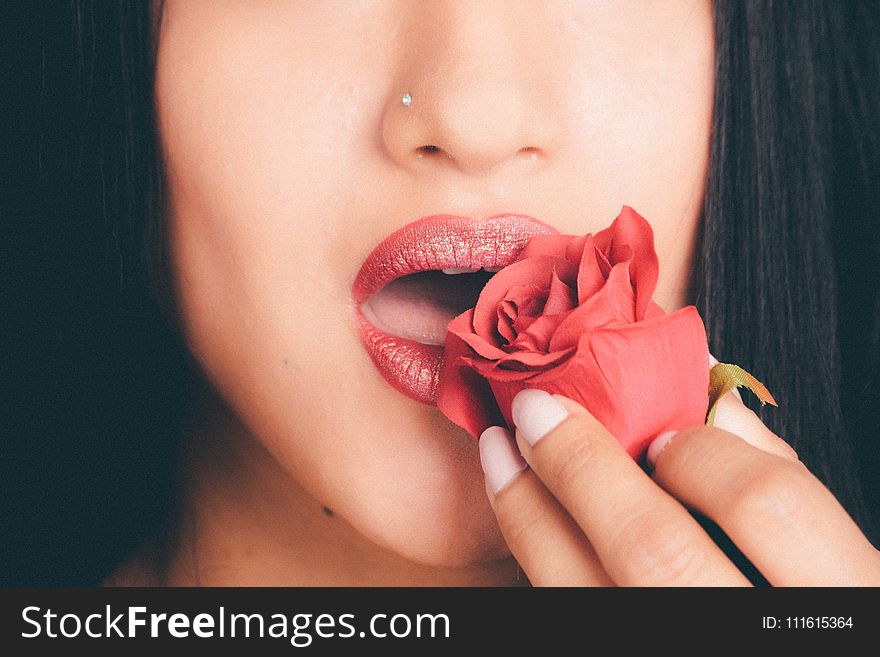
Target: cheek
{"points": [[648, 119], [246, 142], [252, 164], [645, 108]]}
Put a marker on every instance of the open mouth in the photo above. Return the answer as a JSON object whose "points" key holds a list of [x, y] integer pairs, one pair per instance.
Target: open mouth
{"points": [[422, 276], [419, 306]]}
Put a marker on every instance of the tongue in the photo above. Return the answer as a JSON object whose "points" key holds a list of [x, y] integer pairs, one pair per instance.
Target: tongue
{"points": [[420, 306]]}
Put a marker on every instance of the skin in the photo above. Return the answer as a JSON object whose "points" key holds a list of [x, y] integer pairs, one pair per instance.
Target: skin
{"points": [[289, 155]]}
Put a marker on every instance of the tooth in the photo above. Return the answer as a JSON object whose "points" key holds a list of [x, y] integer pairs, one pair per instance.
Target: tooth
{"points": [[492, 269], [459, 270]]}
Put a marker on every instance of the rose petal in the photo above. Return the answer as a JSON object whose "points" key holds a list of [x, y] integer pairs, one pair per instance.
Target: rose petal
{"points": [[480, 346], [528, 300], [534, 271], [561, 298], [612, 303], [537, 336], [574, 251], [508, 309], [638, 380], [507, 315], [463, 395], [653, 310], [632, 230], [531, 359], [519, 366], [520, 300], [461, 327], [591, 277], [522, 305], [522, 323]]}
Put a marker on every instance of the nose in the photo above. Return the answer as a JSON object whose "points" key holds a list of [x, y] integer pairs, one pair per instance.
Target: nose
{"points": [[479, 80]]}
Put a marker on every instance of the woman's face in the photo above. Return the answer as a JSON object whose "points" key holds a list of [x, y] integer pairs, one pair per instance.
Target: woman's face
{"points": [[289, 156]]}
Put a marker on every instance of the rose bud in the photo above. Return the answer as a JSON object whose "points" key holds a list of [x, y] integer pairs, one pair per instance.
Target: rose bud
{"points": [[573, 315]]}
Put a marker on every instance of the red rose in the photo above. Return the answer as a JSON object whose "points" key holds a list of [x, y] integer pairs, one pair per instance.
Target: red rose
{"points": [[574, 316]]}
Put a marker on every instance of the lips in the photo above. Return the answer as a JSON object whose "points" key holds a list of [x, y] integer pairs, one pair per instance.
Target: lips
{"points": [[404, 299]]}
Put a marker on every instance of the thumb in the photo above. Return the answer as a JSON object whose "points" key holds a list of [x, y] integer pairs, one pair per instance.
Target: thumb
{"points": [[734, 416]]}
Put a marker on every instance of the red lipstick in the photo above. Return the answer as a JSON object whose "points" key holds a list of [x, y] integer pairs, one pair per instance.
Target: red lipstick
{"points": [[432, 243]]}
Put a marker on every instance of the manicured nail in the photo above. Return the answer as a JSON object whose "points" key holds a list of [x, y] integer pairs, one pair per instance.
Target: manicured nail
{"points": [[536, 414], [500, 458], [658, 444]]}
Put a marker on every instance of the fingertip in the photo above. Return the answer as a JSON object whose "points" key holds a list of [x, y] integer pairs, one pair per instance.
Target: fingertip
{"points": [[658, 445], [571, 405], [734, 416], [536, 413], [500, 458], [731, 414]]}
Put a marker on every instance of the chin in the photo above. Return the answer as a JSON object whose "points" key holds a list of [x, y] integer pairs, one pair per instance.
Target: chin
{"points": [[430, 507], [432, 542]]}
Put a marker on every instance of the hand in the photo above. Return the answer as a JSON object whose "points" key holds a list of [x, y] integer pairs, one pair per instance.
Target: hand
{"points": [[584, 513]]}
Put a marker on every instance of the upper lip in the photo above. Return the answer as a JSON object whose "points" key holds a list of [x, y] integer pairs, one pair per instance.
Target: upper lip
{"points": [[442, 241]]}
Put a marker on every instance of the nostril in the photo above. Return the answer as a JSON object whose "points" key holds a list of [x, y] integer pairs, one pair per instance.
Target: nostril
{"points": [[432, 151]]}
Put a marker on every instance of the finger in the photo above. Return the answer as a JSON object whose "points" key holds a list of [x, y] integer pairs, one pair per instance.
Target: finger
{"points": [[775, 511], [641, 534], [734, 416], [549, 546]]}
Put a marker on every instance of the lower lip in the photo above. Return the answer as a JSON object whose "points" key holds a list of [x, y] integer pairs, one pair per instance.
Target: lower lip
{"points": [[410, 367]]}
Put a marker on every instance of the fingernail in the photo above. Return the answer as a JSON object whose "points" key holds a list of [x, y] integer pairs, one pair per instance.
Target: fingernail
{"points": [[500, 459], [536, 413], [658, 444]]}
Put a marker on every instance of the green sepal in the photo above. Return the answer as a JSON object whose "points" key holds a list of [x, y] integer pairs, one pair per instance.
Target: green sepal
{"points": [[724, 377]]}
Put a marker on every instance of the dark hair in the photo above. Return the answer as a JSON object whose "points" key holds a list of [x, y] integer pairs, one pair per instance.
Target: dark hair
{"points": [[789, 261], [785, 276], [100, 382]]}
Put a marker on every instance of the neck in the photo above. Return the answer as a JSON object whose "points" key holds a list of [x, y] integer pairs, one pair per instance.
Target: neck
{"points": [[243, 520]]}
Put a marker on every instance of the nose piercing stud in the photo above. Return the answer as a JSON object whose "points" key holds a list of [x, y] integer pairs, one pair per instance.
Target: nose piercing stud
{"points": [[406, 100]]}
